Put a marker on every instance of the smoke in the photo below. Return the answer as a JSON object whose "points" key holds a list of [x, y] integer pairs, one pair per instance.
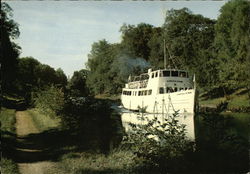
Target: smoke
{"points": [[125, 66]]}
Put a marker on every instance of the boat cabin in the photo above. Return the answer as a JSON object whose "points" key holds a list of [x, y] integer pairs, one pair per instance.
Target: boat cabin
{"points": [[158, 82]]}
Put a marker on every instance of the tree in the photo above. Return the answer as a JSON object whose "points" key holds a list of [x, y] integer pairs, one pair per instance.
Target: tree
{"points": [[26, 81], [32, 76], [189, 40], [77, 84], [135, 40], [156, 45], [9, 51], [26, 70], [99, 63], [61, 78], [46, 75], [232, 44]]}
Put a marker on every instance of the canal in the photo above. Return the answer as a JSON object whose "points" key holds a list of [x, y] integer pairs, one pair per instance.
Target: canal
{"points": [[221, 140]]}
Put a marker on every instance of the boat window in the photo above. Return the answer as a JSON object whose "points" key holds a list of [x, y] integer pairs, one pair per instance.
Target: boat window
{"points": [[156, 74], [166, 73], [174, 73], [160, 74], [139, 94], [161, 90], [169, 90], [150, 92], [182, 74], [186, 88], [152, 75], [175, 89]]}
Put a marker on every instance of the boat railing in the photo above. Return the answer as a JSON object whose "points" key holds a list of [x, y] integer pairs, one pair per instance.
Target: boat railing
{"points": [[138, 84]]}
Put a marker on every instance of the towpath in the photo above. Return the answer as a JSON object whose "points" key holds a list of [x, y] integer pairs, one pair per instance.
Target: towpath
{"points": [[30, 155]]}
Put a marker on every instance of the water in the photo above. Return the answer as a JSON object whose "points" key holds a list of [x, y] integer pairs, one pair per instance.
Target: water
{"points": [[139, 118], [221, 140], [197, 126]]}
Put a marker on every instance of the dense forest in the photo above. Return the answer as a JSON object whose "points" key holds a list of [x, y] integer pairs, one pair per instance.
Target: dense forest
{"points": [[216, 51]]}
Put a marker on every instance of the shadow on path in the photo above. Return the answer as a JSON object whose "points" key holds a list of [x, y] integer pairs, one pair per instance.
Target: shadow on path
{"points": [[49, 145]]}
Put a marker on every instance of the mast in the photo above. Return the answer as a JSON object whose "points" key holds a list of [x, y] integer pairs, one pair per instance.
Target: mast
{"points": [[165, 59]]}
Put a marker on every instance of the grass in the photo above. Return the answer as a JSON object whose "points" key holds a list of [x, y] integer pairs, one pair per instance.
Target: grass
{"points": [[117, 162], [8, 120], [237, 99], [212, 102], [240, 123], [8, 166], [44, 122], [111, 97]]}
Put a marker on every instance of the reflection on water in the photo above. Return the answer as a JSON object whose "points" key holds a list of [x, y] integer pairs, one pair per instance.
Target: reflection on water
{"points": [[221, 140], [142, 118], [198, 126]]}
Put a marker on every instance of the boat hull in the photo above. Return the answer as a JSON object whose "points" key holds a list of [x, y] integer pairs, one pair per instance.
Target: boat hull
{"points": [[181, 101]]}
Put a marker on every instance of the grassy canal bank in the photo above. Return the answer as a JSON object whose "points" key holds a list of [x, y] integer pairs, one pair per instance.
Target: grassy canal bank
{"points": [[237, 101], [8, 135]]}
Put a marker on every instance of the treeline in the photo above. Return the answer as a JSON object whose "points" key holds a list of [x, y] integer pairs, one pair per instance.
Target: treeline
{"points": [[216, 51], [27, 82], [26, 77]]}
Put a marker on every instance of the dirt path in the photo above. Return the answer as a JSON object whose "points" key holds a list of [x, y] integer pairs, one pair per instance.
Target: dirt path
{"points": [[28, 152]]}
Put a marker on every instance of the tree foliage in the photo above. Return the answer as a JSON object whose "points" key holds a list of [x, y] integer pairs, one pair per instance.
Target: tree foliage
{"points": [[232, 44], [135, 39], [50, 101], [77, 84], [32, 76], [161, 146], [99, 60], [9, 51], [217, 52], [189, 39]]}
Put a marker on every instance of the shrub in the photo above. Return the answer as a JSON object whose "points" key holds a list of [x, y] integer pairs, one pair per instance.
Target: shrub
{"points": [[89, 118], [8, 166], [50, 101], [162, 146]]}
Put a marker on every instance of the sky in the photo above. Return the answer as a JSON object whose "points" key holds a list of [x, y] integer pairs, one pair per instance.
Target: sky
{"points": [[61, 33]]}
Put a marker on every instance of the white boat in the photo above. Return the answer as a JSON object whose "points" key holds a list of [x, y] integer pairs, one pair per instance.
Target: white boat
{"points": [[160, 91]]}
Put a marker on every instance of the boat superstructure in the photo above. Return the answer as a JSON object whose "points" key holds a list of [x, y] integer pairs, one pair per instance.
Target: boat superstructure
{"points": [[160, 91]]}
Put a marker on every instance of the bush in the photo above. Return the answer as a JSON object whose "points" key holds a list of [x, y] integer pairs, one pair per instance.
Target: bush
{"points": [[162, 147], [90, 119], [8, 166], [50, 101]]}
